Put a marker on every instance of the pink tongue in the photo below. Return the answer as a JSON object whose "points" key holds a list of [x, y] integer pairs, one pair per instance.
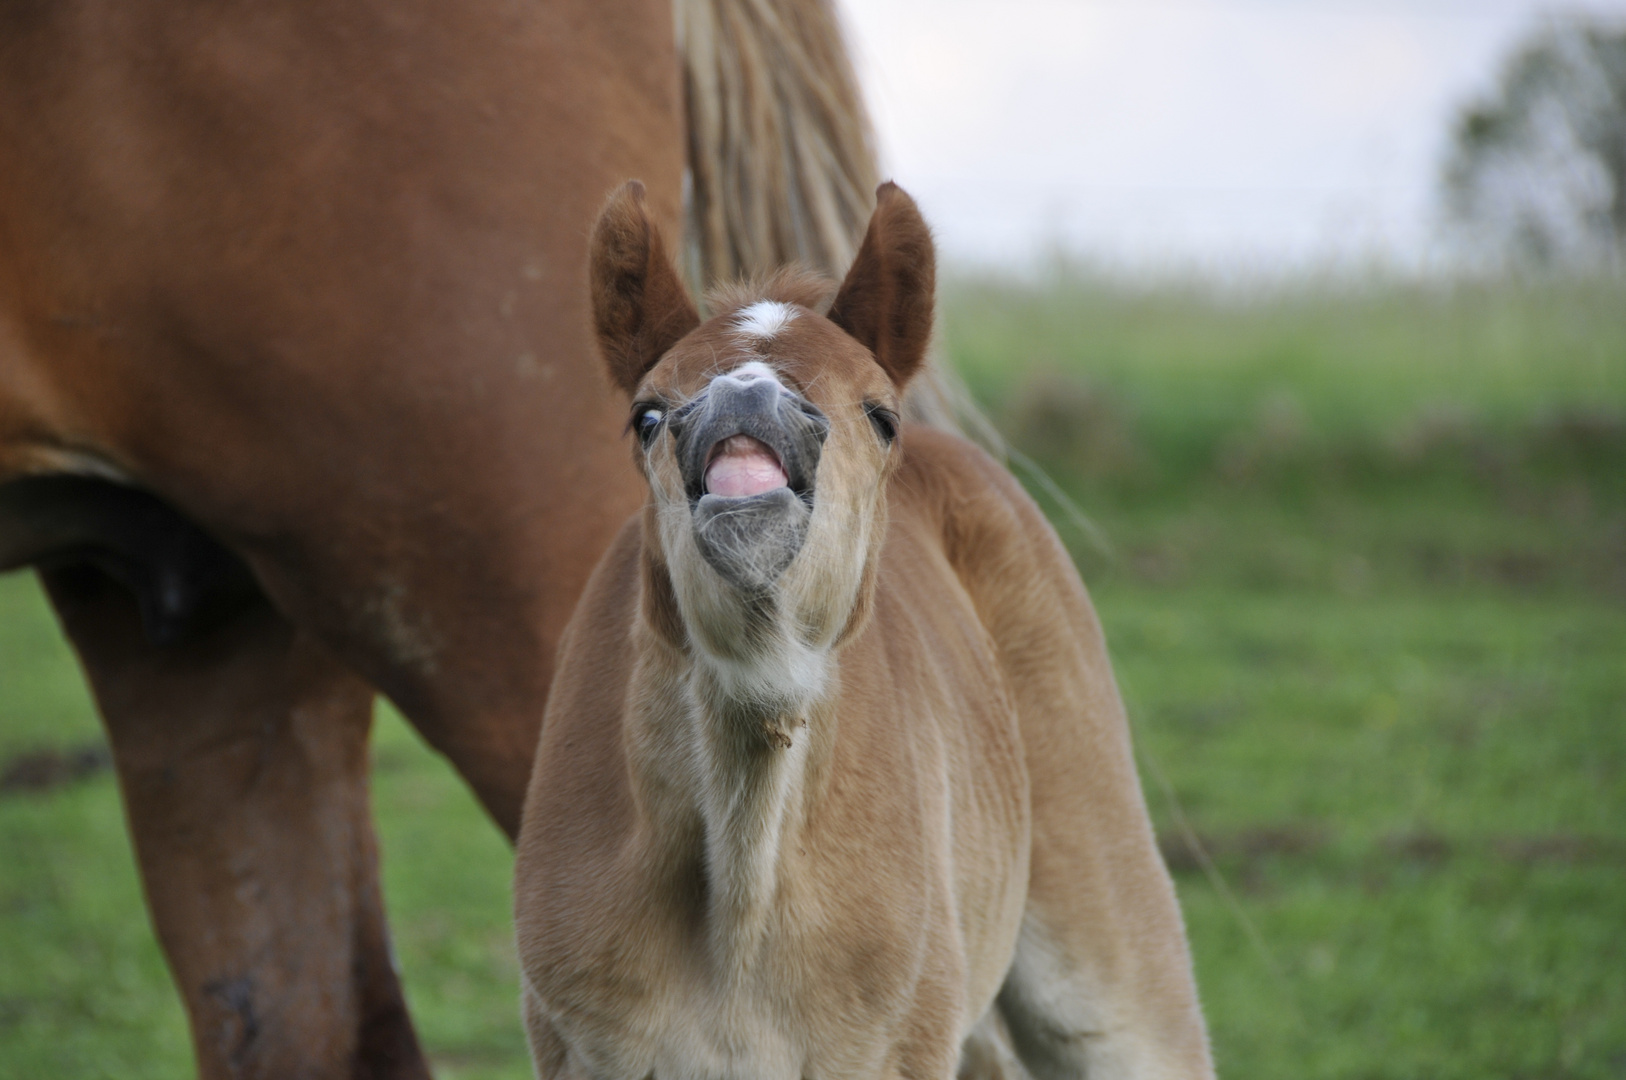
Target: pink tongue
{"points": [[743, 466]]}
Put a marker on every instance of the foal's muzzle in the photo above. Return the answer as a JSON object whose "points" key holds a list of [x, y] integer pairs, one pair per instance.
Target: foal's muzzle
{"points": [[750, 539], [758, 406]]}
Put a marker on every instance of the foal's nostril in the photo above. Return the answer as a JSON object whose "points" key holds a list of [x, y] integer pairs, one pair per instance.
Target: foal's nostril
{"points": [[746, 395]]}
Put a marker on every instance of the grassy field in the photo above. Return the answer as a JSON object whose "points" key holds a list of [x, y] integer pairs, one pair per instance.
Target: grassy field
{"points": [[1361, 555]]}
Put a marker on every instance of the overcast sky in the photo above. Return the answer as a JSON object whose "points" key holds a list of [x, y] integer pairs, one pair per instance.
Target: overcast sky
{"points": [[1267, 133]]}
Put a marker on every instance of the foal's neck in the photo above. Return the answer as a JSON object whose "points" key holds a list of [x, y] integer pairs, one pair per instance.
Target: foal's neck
{"points": [[754, 734], [753, 764]]}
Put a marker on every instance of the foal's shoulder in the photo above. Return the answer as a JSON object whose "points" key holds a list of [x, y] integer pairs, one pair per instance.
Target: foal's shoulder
{"points": [[991, 531], [1015, 568], [959, 483], [942, 459]]}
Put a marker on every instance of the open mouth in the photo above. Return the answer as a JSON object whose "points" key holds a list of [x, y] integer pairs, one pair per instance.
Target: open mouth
{"points": [[749, 477], [741, 466]]}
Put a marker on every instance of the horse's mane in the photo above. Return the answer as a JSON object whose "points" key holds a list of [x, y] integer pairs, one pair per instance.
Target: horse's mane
{"points": [[781, 157], [782, 165]]}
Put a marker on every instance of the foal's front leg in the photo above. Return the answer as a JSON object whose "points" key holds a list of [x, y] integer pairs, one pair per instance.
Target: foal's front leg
{"points": [[242, 759]]}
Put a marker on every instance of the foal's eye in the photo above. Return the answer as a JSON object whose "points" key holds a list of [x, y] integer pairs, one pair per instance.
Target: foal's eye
{"points": [[646, 420], [884, 419]]}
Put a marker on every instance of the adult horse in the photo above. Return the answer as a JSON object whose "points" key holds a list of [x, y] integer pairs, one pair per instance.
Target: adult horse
{"points": [[297, 400]]}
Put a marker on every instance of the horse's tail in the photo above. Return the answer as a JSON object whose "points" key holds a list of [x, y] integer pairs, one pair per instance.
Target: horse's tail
{"points": [[781, 158], [782, 163]]}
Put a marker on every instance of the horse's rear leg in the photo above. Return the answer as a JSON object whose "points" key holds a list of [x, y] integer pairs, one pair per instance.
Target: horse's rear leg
{"points": [[1100, 985], [987, 1053], [242, 758]]}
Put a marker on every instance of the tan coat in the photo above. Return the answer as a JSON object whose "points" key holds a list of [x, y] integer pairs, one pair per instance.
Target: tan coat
{"points": [[816, 827]]}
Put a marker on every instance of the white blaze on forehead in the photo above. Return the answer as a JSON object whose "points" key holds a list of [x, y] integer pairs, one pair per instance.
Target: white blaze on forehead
{"points": [[764, 319]]}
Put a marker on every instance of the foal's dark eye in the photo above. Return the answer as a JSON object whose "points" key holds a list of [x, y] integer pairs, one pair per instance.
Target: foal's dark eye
{"points": [[646, 420], [884, 419]]}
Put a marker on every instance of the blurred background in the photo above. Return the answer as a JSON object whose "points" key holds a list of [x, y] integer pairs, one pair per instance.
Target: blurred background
{"points": [[1230, 136], [1307, 324]]}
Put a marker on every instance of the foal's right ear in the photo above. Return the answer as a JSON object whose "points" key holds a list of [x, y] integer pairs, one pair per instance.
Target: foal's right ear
{"points": [[640, 308]]}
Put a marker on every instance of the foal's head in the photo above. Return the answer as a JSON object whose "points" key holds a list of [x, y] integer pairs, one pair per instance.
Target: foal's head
{"points": [[766, 433]]}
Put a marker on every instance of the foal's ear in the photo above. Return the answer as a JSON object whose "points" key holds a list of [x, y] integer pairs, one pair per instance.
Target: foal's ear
{"points": [[640, 308], [886, 301]]}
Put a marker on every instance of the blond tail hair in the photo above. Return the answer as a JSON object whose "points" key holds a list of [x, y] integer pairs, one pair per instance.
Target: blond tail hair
{"points": [[782, 163]]}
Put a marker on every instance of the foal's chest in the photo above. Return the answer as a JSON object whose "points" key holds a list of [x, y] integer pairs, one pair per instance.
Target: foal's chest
{"points": [[674, 1013]]}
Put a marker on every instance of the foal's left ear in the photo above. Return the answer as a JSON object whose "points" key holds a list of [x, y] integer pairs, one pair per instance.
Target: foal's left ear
{"points": [[640, 308], [886, 301]]}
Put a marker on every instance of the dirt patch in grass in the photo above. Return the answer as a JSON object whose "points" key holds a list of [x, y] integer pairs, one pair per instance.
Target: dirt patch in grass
{"points": [[39, 771], [1247, 849]]}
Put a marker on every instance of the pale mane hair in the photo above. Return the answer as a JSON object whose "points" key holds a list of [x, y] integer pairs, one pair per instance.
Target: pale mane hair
{"points": [[781, 157], [782, 165]]}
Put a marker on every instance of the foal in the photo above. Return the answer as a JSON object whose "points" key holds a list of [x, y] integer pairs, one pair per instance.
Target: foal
{"points": [[833, 769]]}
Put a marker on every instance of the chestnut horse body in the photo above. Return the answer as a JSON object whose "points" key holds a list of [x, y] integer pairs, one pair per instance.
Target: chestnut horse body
{"points": [[296, 402], [833, 760]]}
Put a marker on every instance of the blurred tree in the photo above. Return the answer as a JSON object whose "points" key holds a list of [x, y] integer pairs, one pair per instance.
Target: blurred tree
{"points": [[1537, 170]]}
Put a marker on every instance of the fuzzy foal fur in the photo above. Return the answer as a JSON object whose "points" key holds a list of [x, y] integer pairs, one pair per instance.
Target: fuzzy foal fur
{"points": [[870, 818]]}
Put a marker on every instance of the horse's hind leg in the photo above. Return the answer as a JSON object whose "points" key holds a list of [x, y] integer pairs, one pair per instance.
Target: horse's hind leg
{"points": [[1078, 1005], [1100, 985], [242, 759], [987, 1053]]}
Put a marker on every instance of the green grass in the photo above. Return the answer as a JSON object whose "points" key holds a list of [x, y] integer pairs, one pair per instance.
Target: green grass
{"points": [[1366, 594], [1354, 358], [1418, 801]]}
